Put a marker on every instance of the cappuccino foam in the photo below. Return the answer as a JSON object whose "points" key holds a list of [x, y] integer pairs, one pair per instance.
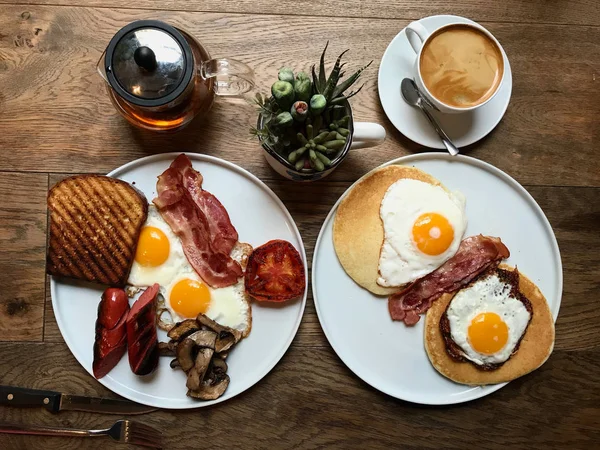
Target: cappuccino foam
{"points": [[461, 66]]}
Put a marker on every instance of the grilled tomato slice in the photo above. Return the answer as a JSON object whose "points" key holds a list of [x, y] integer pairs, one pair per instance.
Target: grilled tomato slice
{"points": [[275, 272]]}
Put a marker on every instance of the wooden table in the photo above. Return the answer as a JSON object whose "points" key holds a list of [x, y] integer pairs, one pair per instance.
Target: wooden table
{"points": [[56, 119]]}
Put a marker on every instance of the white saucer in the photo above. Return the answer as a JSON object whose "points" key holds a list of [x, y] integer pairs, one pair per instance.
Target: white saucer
{"points": [[464, 129]]}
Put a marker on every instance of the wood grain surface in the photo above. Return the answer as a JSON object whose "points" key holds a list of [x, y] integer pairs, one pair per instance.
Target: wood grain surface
{"points": [[56, 119], [22, 257], [582, 12], [550, 128], [326, 406]]}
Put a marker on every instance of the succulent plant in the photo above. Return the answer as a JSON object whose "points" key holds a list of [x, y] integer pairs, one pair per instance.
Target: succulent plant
{"points": [[286, 74], [314, 148], [283, 92], [317, 104], [305, 120], [329, 87], [283, 120], [339, 126], [303, 87], [299, 111]]}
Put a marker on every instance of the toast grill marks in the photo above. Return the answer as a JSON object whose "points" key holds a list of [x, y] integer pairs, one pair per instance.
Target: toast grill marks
{"points": [[475, 255], [95, 222], [454, 350], [192, 226]]}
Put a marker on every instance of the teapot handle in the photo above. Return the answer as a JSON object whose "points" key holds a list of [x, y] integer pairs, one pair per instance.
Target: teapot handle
{"points": [[232, 77], [100, 67]]}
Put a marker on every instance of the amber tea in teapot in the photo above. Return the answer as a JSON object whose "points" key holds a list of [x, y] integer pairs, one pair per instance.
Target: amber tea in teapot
{"points": [[159, 77]]}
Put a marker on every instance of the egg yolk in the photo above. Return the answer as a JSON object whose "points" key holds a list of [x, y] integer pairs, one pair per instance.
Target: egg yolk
{"points": [[488, 333], [189, 298], [153, 247], [432, 233]]}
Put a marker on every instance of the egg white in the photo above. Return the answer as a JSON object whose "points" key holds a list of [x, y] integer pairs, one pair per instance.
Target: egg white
{"points": [[400, 260], [142, 276], [228, 306], [489, 294]]}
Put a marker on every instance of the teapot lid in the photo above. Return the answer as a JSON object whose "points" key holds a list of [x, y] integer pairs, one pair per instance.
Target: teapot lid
{"points": [[149, 63]]}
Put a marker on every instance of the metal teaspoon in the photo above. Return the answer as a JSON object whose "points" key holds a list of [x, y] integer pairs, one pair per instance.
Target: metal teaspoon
{"points": [[412, 96]]}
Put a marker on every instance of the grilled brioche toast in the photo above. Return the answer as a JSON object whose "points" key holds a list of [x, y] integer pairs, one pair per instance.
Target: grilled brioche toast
{"points": [[95, 223]]}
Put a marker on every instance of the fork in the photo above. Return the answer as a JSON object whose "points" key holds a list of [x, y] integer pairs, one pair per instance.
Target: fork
{"points": [[122, 431]]}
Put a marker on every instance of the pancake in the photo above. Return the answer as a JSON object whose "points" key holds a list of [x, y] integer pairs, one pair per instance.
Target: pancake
{"points": [[535, 348], [358, 229]]}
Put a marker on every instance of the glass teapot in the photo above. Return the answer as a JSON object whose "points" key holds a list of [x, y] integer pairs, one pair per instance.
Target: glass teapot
{"points": [[159, 77]]}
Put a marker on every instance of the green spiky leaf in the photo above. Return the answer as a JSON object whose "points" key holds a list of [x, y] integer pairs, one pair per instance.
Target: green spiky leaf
{"points": [[315, 80], [322, 75], [349, 82], [334, 77], [265, 105], [340, 99]]}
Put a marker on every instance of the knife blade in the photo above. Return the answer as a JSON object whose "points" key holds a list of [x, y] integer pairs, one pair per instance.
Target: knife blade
{"points": [[57, 401]]}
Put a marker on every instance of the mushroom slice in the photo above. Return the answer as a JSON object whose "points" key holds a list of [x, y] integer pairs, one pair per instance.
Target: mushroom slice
{"points": [[211, 390], [204, 320], [226, 336], [167, 348], [193, 380], [225, 341], [196, 373], [185, 354], [204, 338], [183, 329], [218, 364], [175, 364]]}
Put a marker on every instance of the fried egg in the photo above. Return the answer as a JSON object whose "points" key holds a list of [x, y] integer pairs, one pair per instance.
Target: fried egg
{"points": [[487, 321], [187, 295], [423, 225], [160, 259], [159, 255]]}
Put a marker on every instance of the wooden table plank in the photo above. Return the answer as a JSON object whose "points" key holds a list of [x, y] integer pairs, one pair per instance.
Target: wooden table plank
{"points": [[547, 137], [581, 12], [22, 259], [311, 400], [56, 117], [574, 214]]}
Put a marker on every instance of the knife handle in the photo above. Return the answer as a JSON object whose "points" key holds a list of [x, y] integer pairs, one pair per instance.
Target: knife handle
{"points": [[17, 396]]}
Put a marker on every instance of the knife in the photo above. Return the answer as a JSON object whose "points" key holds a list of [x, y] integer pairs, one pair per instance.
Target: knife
{"points": [[56, 401]]}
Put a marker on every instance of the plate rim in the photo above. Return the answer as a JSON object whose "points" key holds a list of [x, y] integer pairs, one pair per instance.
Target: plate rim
{"points": [[403, 160], [261, 185], [440, 145]]}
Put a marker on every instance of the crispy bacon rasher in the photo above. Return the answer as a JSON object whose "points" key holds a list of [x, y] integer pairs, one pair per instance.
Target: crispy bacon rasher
{"points": [[475, 255], [200, 221], [223, 234]]}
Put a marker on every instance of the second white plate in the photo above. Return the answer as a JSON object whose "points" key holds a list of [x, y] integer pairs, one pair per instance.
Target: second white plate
{"points": [[391, 356]]}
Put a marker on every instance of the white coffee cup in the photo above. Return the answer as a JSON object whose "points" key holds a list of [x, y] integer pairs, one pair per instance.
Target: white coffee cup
{"points": [[418, 37]]}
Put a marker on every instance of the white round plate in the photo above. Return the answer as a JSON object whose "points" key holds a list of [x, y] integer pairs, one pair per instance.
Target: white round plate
{"points": [[258, 216], [389, 355], [464, 129]]}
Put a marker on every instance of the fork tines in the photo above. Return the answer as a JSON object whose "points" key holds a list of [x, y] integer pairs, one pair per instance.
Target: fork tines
{"points": [[140, 434]]}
